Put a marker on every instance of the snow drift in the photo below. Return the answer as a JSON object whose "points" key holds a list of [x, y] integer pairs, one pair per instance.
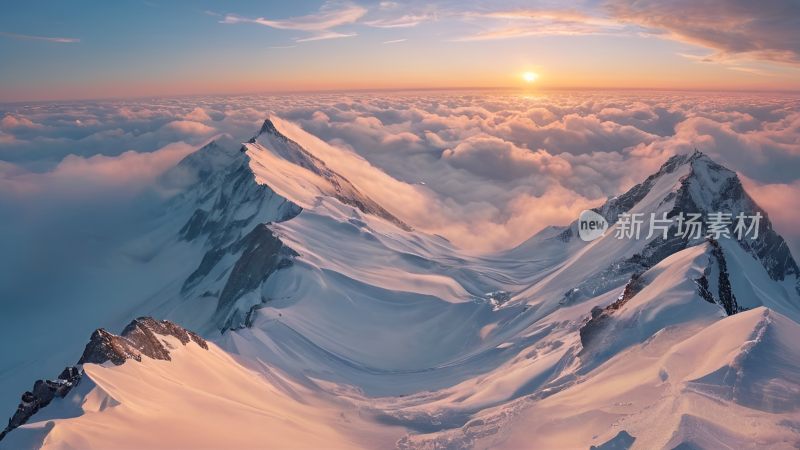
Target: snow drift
{"points": [[331, 320]]}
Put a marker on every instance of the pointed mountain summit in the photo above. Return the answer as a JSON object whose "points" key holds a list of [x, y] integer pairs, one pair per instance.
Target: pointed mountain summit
{"points": [[702, 186], [331, 324], [305, 170], [685, 185]]}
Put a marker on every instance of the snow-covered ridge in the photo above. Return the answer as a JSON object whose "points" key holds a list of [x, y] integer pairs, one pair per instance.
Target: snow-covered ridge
{"points": [[200, 398], [143, 337], [305, 175], [235, 193], [329, 322], [687, 183]]}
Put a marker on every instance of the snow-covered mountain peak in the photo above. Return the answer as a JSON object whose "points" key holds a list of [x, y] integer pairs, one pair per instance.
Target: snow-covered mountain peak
{"points": [[686, 185], [268, 127], [325, 312], [676, 171], [693, 183], [143, 337], [209, 161], [300, 167]]}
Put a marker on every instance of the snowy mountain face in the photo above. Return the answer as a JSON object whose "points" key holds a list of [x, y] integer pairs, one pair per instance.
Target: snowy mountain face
{"points": [[685, 185], [143, 337], [327, 320]]}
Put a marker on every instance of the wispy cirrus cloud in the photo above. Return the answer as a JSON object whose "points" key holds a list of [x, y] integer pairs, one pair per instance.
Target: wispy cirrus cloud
{"points": [[731, 29], [404, 21], [524, 23], [321, 23], [30, 37], [731, 64], [325, 36], [395, 15]]}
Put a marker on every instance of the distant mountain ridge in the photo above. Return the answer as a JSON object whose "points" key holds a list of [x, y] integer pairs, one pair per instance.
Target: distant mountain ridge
{"points": [[303, 288]]}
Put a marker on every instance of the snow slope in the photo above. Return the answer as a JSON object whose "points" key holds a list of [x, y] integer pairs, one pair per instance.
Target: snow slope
{"points": [[732, 384], [335, 322], [199, 399]]}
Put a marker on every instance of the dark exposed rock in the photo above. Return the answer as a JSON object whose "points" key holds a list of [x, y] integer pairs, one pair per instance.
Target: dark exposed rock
{"points": [[143, 336], [769, 248], [240, 319], [140, 337], [599, 315], [709, 187], [261, 254], [44, 391], [232, 195], [229, 203], [498, 298], [269, 128], [207, 264], [725, 296], [195, 225], [703, 289], [622, 441], [623, 203], [104, 346]]}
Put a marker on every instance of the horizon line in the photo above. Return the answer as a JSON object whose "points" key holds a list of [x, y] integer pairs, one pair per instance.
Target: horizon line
{"points": [[522, 89]]}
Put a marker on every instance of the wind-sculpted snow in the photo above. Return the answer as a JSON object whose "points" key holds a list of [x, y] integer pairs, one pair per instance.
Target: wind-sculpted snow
{"points": [[326, 303], [328, 181], [143, 337], [200, 398], [690, 183], [140, 338]]}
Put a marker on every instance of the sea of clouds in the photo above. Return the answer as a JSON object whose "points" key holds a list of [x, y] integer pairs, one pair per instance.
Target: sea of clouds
{"points": [[492, 167]]}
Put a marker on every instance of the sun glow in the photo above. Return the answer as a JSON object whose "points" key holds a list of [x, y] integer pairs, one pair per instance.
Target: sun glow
{"points": [[530, 77]]}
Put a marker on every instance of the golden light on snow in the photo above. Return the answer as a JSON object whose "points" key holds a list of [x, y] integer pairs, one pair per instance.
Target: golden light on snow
{"points": [[530, 77]]}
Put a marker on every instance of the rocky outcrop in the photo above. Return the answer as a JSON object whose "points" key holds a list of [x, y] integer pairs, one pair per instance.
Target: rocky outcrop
{"points": [[261, 254], [142, 337], [725, 296], [622, 441], [228, 214], [625, 202], [708, 187], [43, 392], [599, 315], [711, 187], [233, 203]]}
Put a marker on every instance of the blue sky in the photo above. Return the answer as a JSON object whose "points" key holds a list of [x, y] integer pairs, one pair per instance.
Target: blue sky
{"points": [[95, 49]]}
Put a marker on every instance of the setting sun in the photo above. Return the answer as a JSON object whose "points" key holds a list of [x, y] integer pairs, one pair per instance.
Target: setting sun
{"points": [[386, 223]]}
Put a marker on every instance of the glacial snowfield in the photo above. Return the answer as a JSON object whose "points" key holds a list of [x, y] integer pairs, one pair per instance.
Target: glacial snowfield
{"points": [[332, 322]]}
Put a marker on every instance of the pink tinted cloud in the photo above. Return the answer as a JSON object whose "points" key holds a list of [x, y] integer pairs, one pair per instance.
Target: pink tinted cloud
{"points": [[130, 171], [189, 127], [780, 200], [765, 30]]}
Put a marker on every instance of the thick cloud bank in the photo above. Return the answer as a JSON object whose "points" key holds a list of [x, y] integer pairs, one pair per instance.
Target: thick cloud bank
{"points": [[487, 169], [765, 30]]}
